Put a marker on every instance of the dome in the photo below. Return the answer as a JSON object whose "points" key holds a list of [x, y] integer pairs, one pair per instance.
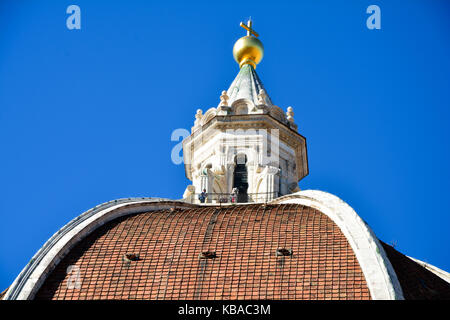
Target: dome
{"points": [[284, 251], [307, 245]]}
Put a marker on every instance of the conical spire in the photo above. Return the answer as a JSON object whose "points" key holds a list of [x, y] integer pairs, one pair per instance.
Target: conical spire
{"points": [[247, 85], [248, 52]]}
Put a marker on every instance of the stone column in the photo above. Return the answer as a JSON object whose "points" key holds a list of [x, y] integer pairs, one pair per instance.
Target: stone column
{"points": [[251, 179], [203, 183], [272, 182], [229, 177]]}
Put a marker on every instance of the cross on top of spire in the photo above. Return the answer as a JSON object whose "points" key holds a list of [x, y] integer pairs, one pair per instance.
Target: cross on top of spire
{"points": [[249, 29]]}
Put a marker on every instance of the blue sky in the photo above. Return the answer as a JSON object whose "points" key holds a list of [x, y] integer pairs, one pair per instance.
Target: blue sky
{"points": [[86, 115]]}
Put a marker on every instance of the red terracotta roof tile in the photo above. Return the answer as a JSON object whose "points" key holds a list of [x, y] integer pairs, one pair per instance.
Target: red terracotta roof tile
{"points": [[214, 253]]}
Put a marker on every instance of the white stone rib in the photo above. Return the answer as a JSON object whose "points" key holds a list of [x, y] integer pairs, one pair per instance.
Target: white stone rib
{"points": [[26, 285], [444, 275], [377, 269]]}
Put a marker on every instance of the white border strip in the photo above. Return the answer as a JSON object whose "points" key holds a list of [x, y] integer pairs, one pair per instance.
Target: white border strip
{"points": [[444, 275], [378, 271]]}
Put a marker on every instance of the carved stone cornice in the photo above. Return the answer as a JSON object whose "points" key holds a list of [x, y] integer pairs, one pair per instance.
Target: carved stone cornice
{"points": [[287, 135]]}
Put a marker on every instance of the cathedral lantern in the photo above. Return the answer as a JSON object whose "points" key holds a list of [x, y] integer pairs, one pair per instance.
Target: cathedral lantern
{"points": [[246, 144]]}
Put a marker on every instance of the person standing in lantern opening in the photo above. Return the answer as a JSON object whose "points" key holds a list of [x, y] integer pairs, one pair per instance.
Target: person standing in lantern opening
{"points": [[234, 194], [202, 196]]}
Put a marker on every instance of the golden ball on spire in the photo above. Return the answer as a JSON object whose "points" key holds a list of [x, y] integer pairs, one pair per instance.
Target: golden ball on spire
{"points": [[248, 50]]}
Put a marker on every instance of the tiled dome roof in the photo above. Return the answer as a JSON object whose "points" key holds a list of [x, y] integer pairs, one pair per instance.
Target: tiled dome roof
{"points": [[286, 251], [306, 245]]}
